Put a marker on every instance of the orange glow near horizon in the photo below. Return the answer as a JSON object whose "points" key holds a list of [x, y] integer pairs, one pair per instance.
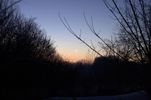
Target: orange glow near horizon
{"points": [[72, 52], [76, 56], [73, 57]]}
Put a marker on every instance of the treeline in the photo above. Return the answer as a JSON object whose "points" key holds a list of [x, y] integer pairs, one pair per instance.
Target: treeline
{"points": [[21, 38], [30, 67]]}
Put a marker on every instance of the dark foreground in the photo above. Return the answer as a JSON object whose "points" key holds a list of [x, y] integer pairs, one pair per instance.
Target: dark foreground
{"points": [[36, 80]]}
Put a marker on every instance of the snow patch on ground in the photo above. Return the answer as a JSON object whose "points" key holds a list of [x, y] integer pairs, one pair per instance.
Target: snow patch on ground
{"points": [[132, 96]]}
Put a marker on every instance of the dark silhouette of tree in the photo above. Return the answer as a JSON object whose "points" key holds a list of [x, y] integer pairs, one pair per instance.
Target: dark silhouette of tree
{"points": [[133, 41], [28, 60], [134, 19], [135, 32], [22, 38]]}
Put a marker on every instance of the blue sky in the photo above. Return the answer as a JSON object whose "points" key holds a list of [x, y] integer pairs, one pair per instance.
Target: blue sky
{"points": [[46, 14]]}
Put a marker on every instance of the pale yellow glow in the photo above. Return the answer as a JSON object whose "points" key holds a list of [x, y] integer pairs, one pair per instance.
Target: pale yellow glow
{"points": [[76, 50], [74, 54], [73, 57]]}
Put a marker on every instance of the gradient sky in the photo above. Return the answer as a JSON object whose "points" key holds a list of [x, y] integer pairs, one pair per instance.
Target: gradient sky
{"points": [[46, 14]]}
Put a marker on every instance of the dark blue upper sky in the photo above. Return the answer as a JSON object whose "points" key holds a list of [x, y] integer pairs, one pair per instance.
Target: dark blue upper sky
{"points": [[46, 14]]}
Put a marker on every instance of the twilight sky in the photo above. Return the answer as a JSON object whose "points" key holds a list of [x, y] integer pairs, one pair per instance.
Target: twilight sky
{"points": [[46, 14]]}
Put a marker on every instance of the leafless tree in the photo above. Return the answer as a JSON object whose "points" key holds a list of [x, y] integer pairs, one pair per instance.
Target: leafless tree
{"points": [[22, 38], [135, 31], [134, 38]]}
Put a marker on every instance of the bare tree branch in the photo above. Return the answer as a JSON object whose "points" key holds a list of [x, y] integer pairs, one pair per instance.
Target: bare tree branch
{"points": [[68, 27]]}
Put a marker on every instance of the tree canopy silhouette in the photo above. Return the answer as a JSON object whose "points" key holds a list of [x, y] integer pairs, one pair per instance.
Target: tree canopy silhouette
{"points": [[20, 37]]}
